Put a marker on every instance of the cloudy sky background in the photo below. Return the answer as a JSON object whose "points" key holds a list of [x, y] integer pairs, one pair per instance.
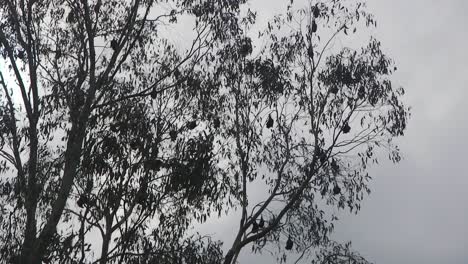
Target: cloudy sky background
{"points": [[418, 209]]}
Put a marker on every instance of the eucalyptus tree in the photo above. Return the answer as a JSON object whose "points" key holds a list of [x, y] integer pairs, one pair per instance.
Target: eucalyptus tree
{"points": [[309, 114], [98, 111], [114, 139]]}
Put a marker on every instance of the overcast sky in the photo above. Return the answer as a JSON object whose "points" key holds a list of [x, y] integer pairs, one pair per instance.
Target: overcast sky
{"points": [[418, 210]]}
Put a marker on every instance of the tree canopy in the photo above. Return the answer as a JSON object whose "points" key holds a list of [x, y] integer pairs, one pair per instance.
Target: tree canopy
{"points": [[115, 139]]}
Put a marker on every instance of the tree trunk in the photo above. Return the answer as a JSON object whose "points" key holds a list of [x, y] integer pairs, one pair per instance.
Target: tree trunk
{"points": [[106, 238], [72, 159], [31, 197], [229, 256], [105, 248]]}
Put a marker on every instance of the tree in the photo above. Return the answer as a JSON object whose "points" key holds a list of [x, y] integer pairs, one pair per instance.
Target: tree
{"points": [[109, 130], [308, 119], [94, 133]]}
